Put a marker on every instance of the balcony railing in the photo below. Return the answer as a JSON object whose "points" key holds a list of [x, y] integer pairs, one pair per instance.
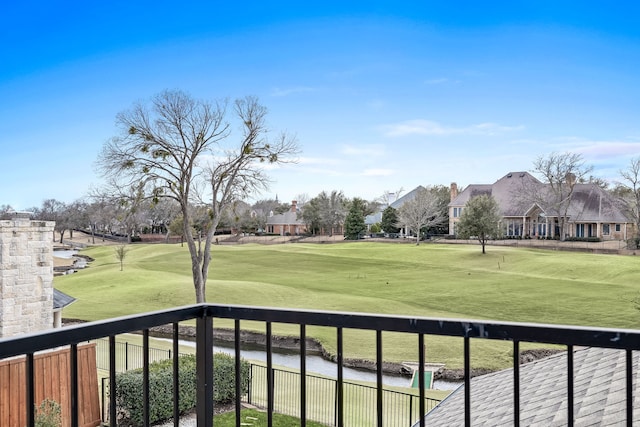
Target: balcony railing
{"points": [[204, 315]]}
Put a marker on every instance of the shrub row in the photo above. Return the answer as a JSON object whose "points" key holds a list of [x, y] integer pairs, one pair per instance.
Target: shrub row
{"points": [[583, 239], [129, 386]]}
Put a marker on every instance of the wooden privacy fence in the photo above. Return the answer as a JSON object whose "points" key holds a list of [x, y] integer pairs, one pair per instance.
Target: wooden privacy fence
{"points": [[52, 381]]}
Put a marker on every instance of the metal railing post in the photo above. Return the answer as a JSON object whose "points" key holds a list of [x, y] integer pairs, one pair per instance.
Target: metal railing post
{"points": [[112, 381], [204, 368], [421, 384], [340, 391], [629, 384], [379, 394], [145, 375], [570, 399], [176, 374], [516, 383], [270, 389], [29, 390], [238, 369], [303, 376], [467, 382], [73, 368]]}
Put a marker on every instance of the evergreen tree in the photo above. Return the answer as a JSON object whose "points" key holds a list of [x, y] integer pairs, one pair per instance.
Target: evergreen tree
{"points": [[389, 220], [354, 225]]}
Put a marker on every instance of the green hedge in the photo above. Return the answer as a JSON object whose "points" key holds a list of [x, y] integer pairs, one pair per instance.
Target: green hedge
{"points": [[583, 239], [129, 386]]}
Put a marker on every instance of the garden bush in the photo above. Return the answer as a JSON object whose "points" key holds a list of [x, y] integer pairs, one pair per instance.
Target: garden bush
{"points": [[583, 239], [48, 414], [129, 386], [633, 243]]}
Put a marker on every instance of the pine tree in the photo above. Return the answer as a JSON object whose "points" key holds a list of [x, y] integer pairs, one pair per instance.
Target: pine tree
{"points": [[354, 225]]}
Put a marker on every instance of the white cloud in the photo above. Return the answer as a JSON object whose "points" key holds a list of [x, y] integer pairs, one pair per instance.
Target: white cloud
{"points": [[603, 148], [428, 127]]}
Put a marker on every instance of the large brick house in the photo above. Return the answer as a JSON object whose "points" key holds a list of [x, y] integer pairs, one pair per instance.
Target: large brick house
{"points": [[592, 212]]}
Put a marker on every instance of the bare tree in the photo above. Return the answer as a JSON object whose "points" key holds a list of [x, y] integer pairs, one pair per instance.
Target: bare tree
{"points": [[302, 199], [173, 146], [423, 211], [560, 172], [5, 210], [52, 210], [630, 194], [389, 197]]}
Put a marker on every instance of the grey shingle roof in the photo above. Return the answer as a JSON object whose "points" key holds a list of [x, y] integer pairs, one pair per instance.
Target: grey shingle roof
{"points": [[61, 300], [377, 217], [590, 203], [505, 191], [599, 393], [286, 218]]}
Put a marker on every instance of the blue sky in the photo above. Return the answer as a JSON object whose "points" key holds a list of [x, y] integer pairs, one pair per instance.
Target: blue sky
{"points": [[381, 95]]}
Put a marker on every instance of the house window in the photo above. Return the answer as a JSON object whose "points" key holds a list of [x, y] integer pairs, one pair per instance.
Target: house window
{"points": [[457, 212], [579, 230], [617, 227], [606, 228]]}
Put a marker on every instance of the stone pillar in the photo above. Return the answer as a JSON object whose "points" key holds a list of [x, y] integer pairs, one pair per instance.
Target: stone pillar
{"points": [[26, 275]]}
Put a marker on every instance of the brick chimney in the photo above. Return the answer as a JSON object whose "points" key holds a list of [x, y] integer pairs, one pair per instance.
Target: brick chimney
{"points": [[294, 206], [454, 191]]}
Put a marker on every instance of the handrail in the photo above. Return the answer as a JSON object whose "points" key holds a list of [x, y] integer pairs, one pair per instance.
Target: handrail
{"points": [[627, 339]]}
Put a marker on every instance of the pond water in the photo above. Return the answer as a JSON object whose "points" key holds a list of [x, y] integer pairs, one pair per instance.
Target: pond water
{"points": [[64, 253], [318, 365]]}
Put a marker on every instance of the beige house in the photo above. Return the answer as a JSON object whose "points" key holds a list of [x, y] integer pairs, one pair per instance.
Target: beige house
{"points": [[592, 211]]}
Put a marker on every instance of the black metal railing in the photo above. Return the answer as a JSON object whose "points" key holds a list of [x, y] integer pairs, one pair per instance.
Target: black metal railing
{"points": [[401, 409], [203, 314], [128, 356]]}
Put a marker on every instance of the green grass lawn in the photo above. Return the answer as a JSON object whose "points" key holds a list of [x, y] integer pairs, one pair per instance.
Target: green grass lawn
{"points": [[435, 280], [251, 417]]}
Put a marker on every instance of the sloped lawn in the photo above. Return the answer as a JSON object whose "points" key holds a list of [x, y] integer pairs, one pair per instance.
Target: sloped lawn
{"points": [[434, 280]]}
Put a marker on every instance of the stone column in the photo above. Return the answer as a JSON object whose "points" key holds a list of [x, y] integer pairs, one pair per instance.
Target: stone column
{"points": [[26, 275]]}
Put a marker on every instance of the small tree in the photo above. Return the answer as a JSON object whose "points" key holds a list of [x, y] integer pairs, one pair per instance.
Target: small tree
{"points": [[354, 224], [121, 253], [480, 219]]}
